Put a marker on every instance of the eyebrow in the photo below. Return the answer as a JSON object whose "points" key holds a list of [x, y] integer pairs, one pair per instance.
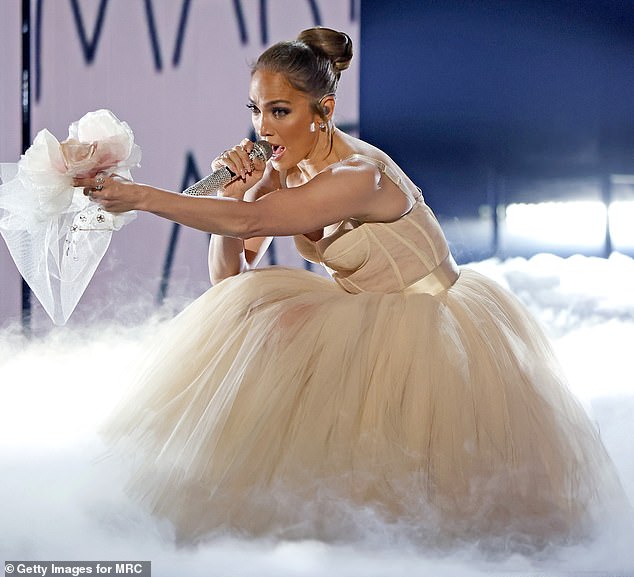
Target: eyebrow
{"points": [[272, 102]]}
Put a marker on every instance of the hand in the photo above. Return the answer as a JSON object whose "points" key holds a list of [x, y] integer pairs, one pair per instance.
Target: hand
{"points": [[113, 192], [237, 160]]}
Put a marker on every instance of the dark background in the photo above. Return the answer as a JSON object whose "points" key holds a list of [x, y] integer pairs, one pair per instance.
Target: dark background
{"points": [[486, 102]]}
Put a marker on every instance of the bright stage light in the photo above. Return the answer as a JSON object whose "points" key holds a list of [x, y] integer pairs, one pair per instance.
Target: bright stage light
{"points": [[573, 223], [558, 223], [621, 215]]}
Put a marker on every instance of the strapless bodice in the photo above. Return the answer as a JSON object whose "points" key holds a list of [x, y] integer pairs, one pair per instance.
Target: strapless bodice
{"points": [[381, 256]]}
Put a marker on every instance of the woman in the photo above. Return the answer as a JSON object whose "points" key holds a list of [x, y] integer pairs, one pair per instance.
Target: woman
{"points": [[408, 392]]}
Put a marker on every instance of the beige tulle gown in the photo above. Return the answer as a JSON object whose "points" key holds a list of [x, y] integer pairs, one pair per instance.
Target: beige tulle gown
{"points": [[406, 397]]}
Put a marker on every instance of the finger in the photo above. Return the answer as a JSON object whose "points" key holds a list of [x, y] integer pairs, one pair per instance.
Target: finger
{"points": [[251, 163], [237, 161], [83, 179], [229, 158], [97, 182], [217, 163], [238, 157], [255, 163], [247, 145], [91, 193], [258, 163]]}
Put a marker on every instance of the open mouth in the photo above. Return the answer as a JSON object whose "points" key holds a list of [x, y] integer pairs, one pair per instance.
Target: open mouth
{"points": [[278, 150]]}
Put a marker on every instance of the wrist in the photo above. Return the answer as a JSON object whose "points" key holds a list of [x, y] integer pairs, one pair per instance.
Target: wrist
{"points": [[143, 195], [232, 190]]}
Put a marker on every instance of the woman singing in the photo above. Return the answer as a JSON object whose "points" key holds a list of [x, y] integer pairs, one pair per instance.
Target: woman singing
{"points": [[404, 392]]}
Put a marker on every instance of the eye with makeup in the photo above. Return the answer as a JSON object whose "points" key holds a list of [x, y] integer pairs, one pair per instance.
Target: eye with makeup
{"points": [[280, 112], [276, 111]]}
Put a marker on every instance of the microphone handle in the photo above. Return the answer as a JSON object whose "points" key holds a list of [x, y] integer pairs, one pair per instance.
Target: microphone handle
{"points": [[211, 184], [218, 178]]}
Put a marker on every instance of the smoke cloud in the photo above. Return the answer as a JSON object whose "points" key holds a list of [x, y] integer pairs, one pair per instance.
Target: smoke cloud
{"points": [[60, 500]]}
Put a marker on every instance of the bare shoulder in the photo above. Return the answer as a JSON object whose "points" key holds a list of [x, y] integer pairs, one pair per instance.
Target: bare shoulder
{"points": [[355, 146], [354, 171]]}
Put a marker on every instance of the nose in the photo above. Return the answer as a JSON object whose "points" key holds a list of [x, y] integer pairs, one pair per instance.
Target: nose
{"points": [[261, 126]]}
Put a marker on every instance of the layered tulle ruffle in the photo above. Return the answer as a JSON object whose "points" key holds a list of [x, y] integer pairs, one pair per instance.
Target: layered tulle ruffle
{"points": [[278, 404]]}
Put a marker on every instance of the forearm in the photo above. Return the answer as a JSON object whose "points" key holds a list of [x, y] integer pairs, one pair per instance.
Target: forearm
{"points": [[226, 257], [221, 216]]}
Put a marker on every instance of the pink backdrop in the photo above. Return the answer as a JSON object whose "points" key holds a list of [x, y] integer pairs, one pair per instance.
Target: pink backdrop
{"points": [[180, 79]]}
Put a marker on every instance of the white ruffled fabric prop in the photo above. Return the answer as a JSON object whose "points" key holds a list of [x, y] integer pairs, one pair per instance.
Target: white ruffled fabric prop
{"points": [[56, 235]]}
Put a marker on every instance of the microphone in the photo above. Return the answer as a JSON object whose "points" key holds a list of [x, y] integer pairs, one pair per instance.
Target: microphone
{"points": [[207, 186]]}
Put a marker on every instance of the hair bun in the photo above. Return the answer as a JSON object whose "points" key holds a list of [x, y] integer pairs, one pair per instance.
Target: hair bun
{"points": [[337, 46]]}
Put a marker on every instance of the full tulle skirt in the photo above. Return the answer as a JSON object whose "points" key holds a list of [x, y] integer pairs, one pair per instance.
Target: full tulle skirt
{"points": [[277, 404]]}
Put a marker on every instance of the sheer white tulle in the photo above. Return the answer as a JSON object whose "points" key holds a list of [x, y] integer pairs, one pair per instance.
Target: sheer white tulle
{"points": [[56, 235]]}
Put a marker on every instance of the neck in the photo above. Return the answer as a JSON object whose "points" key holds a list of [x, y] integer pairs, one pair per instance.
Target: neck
{"points": [[323, 154]]}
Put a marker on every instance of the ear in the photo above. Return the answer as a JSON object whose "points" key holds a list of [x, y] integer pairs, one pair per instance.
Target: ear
{"points": [[328, 107]]}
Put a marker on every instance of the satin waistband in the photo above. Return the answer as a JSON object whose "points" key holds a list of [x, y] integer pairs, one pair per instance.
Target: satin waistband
{"points": [[438, 280]]}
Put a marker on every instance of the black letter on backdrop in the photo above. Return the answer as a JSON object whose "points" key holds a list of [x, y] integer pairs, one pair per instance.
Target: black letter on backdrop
{"points": [[191, 175], [89, 46], [264, 28], [191, 171], [158, 62], [182, 24], [90, 43], [354, 11]]}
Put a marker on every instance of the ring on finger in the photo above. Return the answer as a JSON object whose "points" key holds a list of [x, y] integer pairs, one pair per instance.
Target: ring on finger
{"points": [[100, 179], [98, 187]]}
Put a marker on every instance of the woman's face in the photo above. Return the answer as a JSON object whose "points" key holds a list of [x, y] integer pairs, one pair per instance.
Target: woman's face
{"points": [[283, 116]]}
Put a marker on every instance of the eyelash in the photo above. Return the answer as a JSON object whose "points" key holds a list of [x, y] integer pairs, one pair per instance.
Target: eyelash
{"points": [[277, 112]]}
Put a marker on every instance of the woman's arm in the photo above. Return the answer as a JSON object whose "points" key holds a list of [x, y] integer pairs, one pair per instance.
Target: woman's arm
{"points": [[229, 256], [340, 192]]}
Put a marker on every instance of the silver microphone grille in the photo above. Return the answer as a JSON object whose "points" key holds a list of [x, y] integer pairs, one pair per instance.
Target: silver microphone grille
{"points": [[262, 150]]}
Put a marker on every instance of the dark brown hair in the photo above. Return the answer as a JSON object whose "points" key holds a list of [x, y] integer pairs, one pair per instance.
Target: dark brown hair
{"points": [[312, 63]]}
